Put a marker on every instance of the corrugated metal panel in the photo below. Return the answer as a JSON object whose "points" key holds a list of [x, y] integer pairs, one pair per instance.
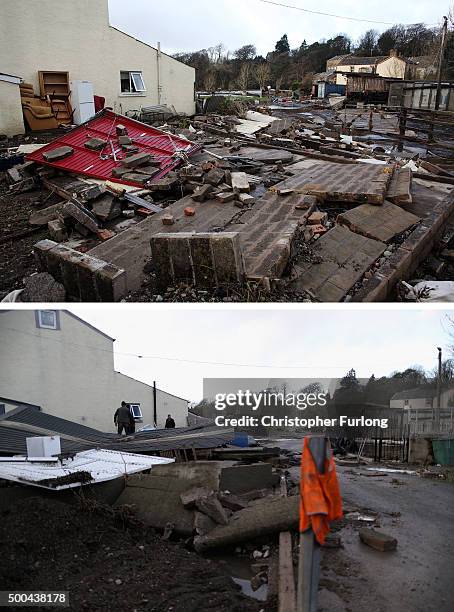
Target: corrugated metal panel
{"points": [[33, 422], [102, 465], [146, 138]]}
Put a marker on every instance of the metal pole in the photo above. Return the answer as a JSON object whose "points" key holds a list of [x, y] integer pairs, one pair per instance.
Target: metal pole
{"points": [[155, 407], [437, 409], [444, 38], [309, 554]]}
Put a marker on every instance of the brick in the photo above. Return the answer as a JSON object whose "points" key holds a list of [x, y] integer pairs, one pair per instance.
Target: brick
{"points": [[121, 130], [58, 153], [136, 177], [124, 140], [189, 211], [246, 199], [377, 540], [317, 218], [105, 234]]}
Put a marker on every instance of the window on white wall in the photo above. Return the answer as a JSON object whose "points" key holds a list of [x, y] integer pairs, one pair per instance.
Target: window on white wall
{"points": [[136, 411], [47, 319], [132, 82]]}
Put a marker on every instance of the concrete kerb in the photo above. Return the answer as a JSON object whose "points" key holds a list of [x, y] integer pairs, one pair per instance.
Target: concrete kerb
{"points": [[84, 277]]}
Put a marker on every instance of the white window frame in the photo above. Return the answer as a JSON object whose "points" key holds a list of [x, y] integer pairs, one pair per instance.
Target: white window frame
{"points": [[137, 417], [134, 90], [41, 325]]}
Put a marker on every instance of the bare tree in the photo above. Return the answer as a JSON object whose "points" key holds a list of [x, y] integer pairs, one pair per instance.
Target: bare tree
{"points": [[210, 81], [263, 74], [245, 76]]}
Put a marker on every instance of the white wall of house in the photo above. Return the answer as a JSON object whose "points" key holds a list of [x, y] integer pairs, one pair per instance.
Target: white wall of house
{"points": [[11, 118], [75, 36], [69, 372], [392, 67]]}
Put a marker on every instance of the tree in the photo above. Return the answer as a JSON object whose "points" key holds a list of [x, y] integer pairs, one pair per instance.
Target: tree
{"points": [[210, 81], [367, 44], [244, 76], [263, 74], [349, 381], [282, 45], [246, 53]]}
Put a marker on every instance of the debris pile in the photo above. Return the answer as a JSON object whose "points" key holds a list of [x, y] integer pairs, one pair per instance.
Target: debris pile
{"points": [[284, 189]]}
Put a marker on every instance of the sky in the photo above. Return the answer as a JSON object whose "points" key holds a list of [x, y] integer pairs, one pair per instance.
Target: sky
{"points": [[199, 24], [314, 343]]}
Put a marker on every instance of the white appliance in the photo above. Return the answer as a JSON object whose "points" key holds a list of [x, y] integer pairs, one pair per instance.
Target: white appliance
{"points": [[43, 446], [82, 101]]}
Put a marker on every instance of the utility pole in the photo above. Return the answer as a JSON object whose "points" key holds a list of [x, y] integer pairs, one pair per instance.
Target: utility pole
{"points": [[155, 407], [437, 410], [444, 39]]}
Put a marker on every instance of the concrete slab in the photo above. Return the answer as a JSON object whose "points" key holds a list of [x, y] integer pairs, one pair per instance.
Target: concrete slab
{"points": [[378, 222], [341, 182], [345, 257]]}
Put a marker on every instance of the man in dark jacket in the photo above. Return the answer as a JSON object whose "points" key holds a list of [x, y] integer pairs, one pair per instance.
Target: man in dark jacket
{"points": [[122, 418], [170, 423]]}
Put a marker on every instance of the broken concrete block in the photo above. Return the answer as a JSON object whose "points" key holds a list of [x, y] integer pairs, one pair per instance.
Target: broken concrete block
{"points": [[214, 177], [57, 230], [202, 193], [105, 234], [43, 216], [136, 177], [225, 197], [14, 175], [232, 502], [119, 171], [240, 182], [80, 214], [95, 144], [378, 540], [58, 153], [42, 287], [107, 208], [246, 199], [166, 183], [212, 507], [190, 497], [130, 150], [26, 184], [134, 161], [91, 192], [128, 214], [203, 524]]}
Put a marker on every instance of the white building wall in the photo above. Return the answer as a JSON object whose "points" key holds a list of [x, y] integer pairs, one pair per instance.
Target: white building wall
{"points": [[11, 118], [70, 373], [392, 67], [75, 36]]}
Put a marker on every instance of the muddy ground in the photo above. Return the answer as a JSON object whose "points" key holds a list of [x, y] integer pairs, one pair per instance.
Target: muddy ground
{"points": [[109, 561]]}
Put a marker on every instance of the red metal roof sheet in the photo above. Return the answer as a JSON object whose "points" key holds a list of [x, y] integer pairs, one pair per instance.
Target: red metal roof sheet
{"points": [[99, 164]]}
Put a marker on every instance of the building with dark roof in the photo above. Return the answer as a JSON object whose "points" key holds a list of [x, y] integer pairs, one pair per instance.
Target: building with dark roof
{"points": [[391, 66]]}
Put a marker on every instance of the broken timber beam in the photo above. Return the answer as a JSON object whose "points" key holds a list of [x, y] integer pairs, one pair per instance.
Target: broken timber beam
{"points": [[286, 593]]}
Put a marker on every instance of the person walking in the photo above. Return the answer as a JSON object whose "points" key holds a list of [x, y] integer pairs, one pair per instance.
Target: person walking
{"points": [[170, 423], [122, 418]]}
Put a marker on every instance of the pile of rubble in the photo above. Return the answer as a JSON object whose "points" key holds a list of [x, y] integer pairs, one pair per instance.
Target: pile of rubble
{"points": [[288, 203]]}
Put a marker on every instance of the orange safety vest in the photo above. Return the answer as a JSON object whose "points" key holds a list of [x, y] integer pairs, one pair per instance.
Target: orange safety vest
{"points": [[320, 499]]}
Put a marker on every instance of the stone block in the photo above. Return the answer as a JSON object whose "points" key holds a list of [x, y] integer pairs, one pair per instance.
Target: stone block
{"points": [[57, 154], [214, 177], [227, 258], [110, 283], [240, 182], [202, 193], [202, 260], [377, 540], [78, 213], [134, 161], [180, 258], [95, 144], [212, 507], [57, 230], [189, 498], [107, 208]]}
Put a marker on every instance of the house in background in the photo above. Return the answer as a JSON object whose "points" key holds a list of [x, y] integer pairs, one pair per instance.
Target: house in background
{"points": [[423, 397], [56, 362], [390, 66], [75, 37]]}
